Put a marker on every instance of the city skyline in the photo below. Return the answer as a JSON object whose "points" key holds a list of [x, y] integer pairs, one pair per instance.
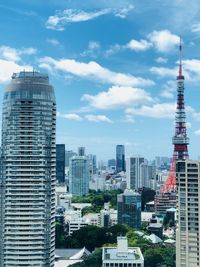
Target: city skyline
{"points": [[113, 66]]}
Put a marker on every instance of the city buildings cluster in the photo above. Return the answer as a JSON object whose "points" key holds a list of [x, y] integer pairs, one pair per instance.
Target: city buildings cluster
{"points": [[39, 180]]}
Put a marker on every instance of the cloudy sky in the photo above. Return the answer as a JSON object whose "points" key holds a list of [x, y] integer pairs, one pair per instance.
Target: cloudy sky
{"points": [[113, 65]]}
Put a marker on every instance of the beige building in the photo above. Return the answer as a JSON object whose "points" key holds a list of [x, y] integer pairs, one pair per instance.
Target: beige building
{"points": [[188, 210]]}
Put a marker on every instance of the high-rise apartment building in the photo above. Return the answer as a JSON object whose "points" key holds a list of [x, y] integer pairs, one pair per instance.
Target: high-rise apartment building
{"points": [[129, 209], [188, 213], [120, 158], [60, 163], [79, 175], [134, 172], [27, 189]]}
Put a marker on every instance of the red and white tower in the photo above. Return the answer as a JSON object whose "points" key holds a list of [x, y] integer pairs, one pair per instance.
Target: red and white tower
{"points": [[180, 139]]}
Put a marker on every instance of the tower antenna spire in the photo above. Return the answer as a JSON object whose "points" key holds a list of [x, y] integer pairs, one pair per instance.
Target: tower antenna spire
{"points": [[180, 58]]}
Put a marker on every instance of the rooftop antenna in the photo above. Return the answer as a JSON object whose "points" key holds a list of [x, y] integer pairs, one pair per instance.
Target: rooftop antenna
{"points": [[180, 58]]}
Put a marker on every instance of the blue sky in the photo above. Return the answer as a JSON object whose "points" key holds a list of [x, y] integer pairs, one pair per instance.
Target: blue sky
{"points": [[113, 66]]}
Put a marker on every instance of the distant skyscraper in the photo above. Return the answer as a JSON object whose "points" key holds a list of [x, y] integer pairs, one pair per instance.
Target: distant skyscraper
{"points": [[120, 158], [81, 151], [79, 175], [188, 213], [60, 163], [129, 209], [134, 172], [111, 163], [27, 189], [92, 164], [69, 154]]}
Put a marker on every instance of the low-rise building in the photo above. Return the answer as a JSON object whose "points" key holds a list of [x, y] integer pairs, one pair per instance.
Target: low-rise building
{"points": [[122, 255], [74, 220], [68, 257], [93, 219], [157, 229]]}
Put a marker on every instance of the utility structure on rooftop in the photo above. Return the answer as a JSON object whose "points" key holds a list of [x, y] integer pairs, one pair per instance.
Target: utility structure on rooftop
{"points": [[180, 139]]}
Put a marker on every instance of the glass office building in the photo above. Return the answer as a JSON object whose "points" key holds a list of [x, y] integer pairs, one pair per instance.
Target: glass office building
{"points": [[60, 163], [27, 184], [79, 175], [120, 158], [129, 209]]}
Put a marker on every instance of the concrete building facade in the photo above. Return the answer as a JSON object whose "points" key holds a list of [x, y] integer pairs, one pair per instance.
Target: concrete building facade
{"points": [[188, 213], [27, 189], [122, 255]]}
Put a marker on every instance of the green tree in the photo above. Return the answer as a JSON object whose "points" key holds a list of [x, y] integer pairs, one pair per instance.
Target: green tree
{"points": [[60, 236]]}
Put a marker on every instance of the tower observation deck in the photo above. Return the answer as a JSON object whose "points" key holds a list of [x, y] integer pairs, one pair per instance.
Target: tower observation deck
{"points": [[180, 139]]}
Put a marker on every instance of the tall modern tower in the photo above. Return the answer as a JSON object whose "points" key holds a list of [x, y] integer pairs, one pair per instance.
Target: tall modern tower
{"points": [[188, 213], [120, 158], [180, 139], [27, 184]]}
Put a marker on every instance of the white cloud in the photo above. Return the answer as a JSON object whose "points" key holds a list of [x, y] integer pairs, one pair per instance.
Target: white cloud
{"points": [[188, 125], [141, 45], [192, 65], [8, 68], [61, 18], [93, 45], [12, 54], [197, 132], [123, 12], [191, 70], [28, 51], [114, 49], [93, 70], [54, 42], [129, 118], [70, 116], [164, 72], [164, 40], [88, 117], [98, 118], [196, 27], [118, 97], [195, 115], [159, 111], [161, 60], [92, 50], [169, 89], [9, 53]]}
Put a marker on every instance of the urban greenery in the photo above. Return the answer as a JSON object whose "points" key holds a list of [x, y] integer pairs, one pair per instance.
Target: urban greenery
{"points": [[97, 199], [93, 238]]}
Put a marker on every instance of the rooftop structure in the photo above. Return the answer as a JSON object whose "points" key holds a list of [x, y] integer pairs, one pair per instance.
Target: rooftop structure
{"points": [[122, 255]]}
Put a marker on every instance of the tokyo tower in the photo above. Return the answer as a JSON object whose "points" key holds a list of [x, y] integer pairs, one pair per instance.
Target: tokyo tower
{"points": [[180, 139]]}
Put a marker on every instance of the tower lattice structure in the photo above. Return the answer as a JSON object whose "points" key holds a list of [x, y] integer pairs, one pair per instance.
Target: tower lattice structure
{"points": [[180, 139]]}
